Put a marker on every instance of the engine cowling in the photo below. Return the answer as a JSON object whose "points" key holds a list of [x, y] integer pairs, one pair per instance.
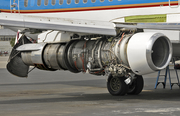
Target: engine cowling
{"points": [[148, 52]]}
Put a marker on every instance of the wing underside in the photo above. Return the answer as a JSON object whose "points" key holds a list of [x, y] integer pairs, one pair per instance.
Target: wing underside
{"points": [[157, 26], [77, 26], [58, 24]]}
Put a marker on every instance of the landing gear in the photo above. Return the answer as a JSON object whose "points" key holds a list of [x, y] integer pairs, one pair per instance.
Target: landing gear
{"points": [[116, 85], [137, 85]]}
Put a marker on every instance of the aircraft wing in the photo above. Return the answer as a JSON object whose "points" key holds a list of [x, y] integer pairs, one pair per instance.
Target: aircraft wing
{"points": [[77, 26], [59, 24]]}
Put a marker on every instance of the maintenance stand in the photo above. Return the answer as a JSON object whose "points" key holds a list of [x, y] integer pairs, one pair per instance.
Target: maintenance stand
{"points": [[167, 73]]}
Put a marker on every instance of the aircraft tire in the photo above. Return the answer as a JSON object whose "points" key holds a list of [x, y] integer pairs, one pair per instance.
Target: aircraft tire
{"points": [[116, 86], [136, 87]]}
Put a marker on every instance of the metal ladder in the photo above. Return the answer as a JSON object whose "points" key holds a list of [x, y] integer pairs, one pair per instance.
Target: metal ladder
{"points": [[167, 73]]}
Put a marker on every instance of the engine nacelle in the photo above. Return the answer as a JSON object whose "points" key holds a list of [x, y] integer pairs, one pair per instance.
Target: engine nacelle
{"points": [[148, 52], [140, 53]]}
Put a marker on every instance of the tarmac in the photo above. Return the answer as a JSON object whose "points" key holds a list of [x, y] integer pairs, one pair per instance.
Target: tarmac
{"points": [[62, 93]]}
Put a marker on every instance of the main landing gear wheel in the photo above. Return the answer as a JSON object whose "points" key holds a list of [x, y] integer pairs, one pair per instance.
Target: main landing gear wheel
{"points": [[116, 85], [137, 85]]}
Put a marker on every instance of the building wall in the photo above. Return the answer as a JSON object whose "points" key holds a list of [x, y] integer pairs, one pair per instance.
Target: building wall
{"points": [[1, 27], [5, 46], [5, 37]]}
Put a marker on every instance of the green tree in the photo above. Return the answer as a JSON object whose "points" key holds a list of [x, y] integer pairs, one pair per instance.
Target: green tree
{"points": [[12, 42]]}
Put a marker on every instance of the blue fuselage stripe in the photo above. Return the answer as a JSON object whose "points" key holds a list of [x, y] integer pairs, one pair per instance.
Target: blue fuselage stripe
{"points": [[32, 4]]}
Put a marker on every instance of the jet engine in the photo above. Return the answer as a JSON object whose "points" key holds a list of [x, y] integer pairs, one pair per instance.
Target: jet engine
{"points": [[138, 53]]}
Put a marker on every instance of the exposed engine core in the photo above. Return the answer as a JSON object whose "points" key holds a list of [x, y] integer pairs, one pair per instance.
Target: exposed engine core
{"points": [[140, 53]]}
